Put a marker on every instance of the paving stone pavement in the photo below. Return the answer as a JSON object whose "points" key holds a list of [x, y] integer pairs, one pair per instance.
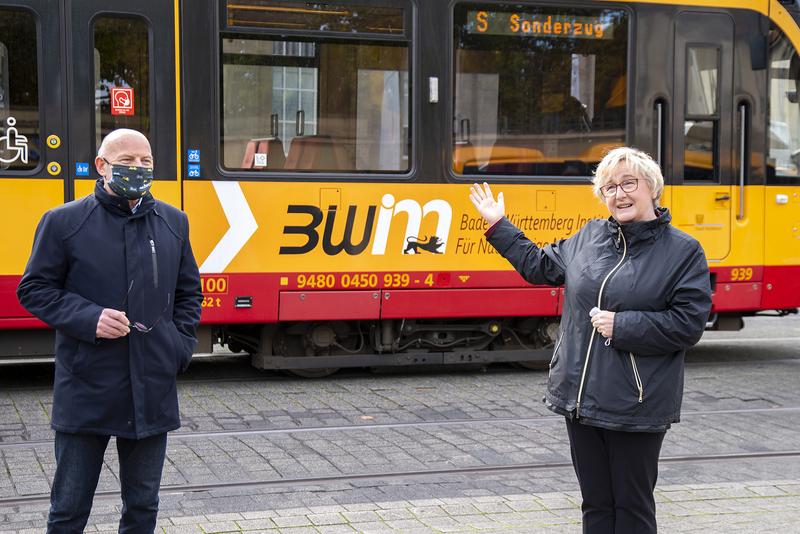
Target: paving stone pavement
{"points": [[758, 506], [286, 440], [379, 450], [255, 404]]}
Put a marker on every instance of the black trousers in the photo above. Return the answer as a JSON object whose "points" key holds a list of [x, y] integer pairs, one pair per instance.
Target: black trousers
{"points": [[617, 473]]}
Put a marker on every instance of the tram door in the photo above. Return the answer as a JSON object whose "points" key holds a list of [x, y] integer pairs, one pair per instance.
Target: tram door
{"points": [[703, 129], [121, 65], [31, 136]]}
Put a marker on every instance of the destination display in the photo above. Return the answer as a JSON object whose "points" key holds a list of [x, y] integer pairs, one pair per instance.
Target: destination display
{"points": [[522, 24]]}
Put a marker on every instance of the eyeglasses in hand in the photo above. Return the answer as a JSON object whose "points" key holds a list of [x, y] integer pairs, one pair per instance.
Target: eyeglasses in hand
{"points": [[141, 327]]}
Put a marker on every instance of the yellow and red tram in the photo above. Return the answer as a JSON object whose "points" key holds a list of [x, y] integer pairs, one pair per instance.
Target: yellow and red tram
{"points": [[323, 153]]}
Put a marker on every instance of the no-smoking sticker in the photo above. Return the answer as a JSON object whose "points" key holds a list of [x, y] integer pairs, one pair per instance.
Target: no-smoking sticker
{"points": [[122, 101]]}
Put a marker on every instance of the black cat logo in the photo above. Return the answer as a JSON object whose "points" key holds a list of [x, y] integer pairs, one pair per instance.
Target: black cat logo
{"points": [[431, 245]]}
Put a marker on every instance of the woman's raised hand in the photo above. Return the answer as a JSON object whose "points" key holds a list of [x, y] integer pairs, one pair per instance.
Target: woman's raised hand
{"points": [[490, 209]]}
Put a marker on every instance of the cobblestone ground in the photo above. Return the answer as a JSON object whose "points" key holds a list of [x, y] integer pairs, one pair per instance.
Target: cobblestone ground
{"points": [[269, 434]]}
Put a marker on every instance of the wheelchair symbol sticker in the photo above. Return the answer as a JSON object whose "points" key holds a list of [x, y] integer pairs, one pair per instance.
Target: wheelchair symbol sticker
{"points": [[81, 169], [13, 143]]}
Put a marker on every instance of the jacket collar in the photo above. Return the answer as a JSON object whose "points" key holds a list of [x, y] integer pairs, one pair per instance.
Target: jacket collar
{"points": [[120, 206], [641, 231]]}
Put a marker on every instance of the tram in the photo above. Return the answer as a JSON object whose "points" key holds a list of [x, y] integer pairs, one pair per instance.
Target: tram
{"points": [[323, 153]]}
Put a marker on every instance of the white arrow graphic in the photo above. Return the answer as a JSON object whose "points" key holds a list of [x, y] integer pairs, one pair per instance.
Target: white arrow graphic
{"points": [[242, 225]]}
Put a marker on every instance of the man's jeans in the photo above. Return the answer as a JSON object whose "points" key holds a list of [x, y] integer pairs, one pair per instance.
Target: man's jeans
{"points": [[79, 458]]}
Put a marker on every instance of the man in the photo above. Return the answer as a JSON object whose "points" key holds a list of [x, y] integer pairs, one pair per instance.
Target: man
{"points": [[114, 274]]}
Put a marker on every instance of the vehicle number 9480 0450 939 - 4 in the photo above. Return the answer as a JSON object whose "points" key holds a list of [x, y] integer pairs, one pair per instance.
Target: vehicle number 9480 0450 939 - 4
{"points": [[361, 280]]}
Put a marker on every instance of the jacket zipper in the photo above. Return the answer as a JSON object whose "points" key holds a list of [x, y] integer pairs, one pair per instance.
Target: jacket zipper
{"points": [[591, 338], [637, 378], [555, 352], [155, 262]]}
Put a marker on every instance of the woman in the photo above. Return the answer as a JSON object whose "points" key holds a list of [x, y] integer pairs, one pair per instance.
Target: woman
{"points": [[637, 296]]}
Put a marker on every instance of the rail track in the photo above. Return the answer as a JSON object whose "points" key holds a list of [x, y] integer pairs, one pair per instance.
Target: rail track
{"points": [[533, 420], [45, 385], [417, 475], [411, 475]]}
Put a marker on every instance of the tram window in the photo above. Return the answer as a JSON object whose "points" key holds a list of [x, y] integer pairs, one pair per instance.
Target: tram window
{"points": [[700, 150], [314, 105], [701, 125], [701, 80], [121, 68], [314, 16], [19, 91], [784, 110], [539, 91]]}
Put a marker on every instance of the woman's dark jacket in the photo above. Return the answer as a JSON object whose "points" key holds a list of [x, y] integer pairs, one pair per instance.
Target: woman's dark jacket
{"points": [[94, 253], [656, 279]]}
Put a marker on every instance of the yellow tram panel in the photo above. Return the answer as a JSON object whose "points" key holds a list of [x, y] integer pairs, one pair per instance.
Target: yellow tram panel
{"points": [[782, 221], [392, 224], [24, 202], [399, 222]]}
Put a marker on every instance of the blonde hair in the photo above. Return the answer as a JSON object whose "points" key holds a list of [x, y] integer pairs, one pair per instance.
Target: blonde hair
{"points": [[639, 163]]}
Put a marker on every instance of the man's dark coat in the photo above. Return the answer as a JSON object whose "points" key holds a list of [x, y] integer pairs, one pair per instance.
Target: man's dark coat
{"points": [[94, 253]]}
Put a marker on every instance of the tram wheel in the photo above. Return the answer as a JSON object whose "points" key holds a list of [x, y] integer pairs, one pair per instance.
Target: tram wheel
{"points": [[313, 373], [534, 366], [314, 339]]}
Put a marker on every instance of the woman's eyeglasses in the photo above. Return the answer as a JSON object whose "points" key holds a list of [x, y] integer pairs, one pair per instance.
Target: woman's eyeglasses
{"points": [[141, 327], [629, 186]]}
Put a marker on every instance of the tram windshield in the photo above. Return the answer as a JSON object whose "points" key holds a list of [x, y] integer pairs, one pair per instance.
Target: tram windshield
{"points": [[539, 91]]}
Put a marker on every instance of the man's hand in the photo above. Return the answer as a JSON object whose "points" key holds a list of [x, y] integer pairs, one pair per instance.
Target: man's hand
{"points": [[491, 210], [603, 321], [112, 324]]}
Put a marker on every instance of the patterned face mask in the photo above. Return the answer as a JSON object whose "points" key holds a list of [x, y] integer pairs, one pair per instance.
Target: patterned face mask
{"points": [[130, 182]]}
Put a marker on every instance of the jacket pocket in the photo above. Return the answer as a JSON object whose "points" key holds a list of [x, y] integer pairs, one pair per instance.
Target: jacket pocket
{"points": [[177, 346], [182, 356], [79, 362], [554, 359], [636, 377], [65, 349]]}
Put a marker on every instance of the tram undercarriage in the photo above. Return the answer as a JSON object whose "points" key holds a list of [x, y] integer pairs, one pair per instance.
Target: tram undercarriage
{"points": [[320, 348], [315, 349]]}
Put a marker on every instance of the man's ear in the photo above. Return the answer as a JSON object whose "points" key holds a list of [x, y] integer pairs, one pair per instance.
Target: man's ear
{"points": [[100, 165]]}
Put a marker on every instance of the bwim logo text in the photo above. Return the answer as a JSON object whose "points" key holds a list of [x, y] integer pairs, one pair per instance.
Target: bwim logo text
{"points": [[354, 240]]}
